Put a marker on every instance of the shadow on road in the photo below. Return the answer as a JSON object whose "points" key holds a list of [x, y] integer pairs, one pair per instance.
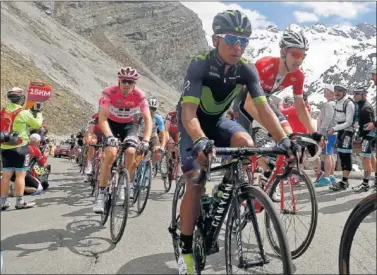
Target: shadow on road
{"points": [[338, 208], [151, 264], [76, 237], [160, 195]]}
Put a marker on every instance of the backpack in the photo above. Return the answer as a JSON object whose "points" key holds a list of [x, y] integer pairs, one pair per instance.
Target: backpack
{"points": [[345, 104], [7, 120]]}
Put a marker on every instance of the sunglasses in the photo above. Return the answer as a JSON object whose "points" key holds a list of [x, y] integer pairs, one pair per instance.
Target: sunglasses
{"points": [[127, 81], [234, 39], [297, 54]]}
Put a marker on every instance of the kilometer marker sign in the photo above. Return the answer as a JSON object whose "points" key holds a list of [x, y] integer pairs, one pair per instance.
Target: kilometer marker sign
{"points": [[38, 92]]}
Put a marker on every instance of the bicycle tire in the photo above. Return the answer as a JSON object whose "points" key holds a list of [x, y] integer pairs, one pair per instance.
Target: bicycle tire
{"points": [[256, 193], [107, 209], [164, 159], [136, 187], [168, 179], [358, 214], [94, 183], [314, 216], [175, 220], [124, 178], [145, 186]]}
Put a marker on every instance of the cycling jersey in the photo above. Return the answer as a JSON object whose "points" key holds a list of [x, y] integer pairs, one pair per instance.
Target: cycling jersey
{"points": [[122, 109], [365, 114], [294, 120], [268, 72], [270, 81], [158, 123], [173, 129], [96, 129], [213, 85]]}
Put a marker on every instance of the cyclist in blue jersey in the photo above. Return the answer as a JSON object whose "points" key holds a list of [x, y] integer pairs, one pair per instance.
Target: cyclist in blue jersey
{"points": [[158, 125], [212, 82]]}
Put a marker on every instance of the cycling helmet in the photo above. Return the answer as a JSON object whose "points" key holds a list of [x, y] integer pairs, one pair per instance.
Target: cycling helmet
{"points": [[128, 73], [35, 137], [232, 22], [328, 87], [154, 103], [16, 94], [360, 89], [293, 37], [340, 88]]}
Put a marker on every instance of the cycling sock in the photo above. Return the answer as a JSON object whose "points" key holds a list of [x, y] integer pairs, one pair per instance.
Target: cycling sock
{"points": [[19, 199], [186, 243], [365, 181], [344, 179]]}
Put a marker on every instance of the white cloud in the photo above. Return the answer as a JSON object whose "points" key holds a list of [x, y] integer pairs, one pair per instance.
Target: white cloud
{"points": [[206, 11], [303, 16], [349, 10]]}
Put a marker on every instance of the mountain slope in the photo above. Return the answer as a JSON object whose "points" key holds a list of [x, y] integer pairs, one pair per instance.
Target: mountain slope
{"points": [[65, 57], [162, 35]]}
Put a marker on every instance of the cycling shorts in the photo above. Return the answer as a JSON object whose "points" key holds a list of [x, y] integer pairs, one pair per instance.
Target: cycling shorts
{"points": [[16, 159], [220, 132], [122, 130], [329, 147], [368, 146], [246, 121], [344, 143]]}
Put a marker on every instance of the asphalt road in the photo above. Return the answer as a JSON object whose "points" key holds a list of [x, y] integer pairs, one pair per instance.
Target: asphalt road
{"points": [[61, 235]]}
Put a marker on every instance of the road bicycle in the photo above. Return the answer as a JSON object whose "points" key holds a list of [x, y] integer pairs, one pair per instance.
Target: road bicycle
{"points": [[226, 200]]}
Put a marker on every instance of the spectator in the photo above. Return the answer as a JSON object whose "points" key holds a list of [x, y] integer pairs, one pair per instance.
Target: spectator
{"points": [[344, 116], [32, 185], [14, 146], [325, 122], [365, 115]]}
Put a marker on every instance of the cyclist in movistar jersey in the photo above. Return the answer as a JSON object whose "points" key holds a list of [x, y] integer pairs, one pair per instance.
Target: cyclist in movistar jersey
{"points": [[212, 82]]}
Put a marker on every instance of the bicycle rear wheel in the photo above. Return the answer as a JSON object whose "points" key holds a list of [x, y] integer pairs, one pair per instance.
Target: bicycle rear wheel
{"points": [[235, 225], [358, 214], [169, 176], [144, 187], [304, 192], [118, 204]]}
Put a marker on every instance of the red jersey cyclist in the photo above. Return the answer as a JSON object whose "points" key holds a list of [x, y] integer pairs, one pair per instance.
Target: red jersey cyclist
{"points": [[117, 108], [276, 74], [92, 136], [171, 128]]}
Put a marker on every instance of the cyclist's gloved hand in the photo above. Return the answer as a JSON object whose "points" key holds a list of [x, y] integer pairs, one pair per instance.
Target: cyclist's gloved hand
{"points": [[111, 141], [198, 154], [143, 146], [199, 146], [287, 145]]}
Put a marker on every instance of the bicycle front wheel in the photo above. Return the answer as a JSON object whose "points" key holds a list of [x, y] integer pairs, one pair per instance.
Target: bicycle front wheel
{"points": [[237, 223], [367, 206], [298, 208], [119, 206]]}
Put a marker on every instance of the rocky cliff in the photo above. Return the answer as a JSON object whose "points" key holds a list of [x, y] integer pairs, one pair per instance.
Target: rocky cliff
{"points": [[162, 35]]}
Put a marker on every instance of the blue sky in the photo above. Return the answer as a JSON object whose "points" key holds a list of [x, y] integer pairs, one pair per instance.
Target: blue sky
{"points": [[281, 14]]}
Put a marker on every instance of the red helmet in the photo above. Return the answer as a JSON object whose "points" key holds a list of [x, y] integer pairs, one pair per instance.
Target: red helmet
{"points": [[128, 73]]}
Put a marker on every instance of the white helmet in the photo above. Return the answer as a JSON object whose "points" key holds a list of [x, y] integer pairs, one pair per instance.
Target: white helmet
{"points": [[35, 137], [154, 103], [293, 37]]}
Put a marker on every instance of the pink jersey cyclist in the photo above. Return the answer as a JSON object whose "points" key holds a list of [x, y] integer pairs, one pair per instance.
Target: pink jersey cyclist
{"points": [[123, 109]]}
